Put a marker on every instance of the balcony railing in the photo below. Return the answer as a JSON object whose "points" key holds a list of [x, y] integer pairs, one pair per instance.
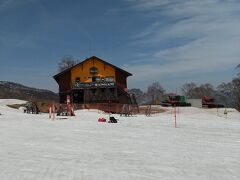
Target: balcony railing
{"points": [[91, 85]]}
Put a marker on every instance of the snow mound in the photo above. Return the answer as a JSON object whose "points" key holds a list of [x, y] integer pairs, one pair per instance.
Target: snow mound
{"points": [[5, 109], [5, 102]]}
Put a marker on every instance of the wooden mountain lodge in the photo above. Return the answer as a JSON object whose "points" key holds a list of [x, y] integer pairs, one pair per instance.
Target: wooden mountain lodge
{"points": [[95, 83]]}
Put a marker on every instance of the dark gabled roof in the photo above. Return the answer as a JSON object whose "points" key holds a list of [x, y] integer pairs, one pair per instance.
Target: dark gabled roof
{"points": [[93, 57]]}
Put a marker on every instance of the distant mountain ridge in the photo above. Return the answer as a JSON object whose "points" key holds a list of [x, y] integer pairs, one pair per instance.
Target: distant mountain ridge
{"points": [[11, 90]]}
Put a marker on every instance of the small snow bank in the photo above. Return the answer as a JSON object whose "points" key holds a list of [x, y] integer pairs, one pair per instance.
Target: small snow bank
{"points": [[5, 102], [22, 109]]}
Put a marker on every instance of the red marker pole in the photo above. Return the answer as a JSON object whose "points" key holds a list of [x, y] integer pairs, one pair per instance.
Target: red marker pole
{"points": [[175, 117]]}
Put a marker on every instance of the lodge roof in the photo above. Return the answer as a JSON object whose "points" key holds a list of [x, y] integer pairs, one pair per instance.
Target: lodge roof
{"points": [[93, 57]]}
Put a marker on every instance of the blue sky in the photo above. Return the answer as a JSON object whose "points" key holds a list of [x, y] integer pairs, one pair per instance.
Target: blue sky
{"points": [[170, 41]]}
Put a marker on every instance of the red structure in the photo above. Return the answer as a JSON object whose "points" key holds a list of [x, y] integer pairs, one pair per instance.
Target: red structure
{"points": [[210, 103], [175, 100]]}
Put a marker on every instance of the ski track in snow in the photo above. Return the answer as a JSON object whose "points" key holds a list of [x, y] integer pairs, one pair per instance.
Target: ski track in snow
{"points": [[205, 146]]}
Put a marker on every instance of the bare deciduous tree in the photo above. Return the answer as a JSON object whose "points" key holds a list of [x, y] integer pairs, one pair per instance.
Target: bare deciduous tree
{"points": [[155, 92], [66, 62], [139, 95], [188, 89], [206, 90], [236, 88], [191, 90], [224, 94], [236, 91]]}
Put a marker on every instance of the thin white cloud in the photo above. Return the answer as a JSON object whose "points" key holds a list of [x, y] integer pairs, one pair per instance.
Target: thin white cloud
{"points": [[208, 29], [6, 4]]}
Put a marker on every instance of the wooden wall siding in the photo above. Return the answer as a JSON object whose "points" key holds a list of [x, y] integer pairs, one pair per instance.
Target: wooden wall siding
{"points": [[62, 98], [64, 82], [121, 79], [100, 95], [82, 70]]}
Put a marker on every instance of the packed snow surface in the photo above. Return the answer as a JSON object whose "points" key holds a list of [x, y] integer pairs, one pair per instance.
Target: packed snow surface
{"points": [[204, 146]]}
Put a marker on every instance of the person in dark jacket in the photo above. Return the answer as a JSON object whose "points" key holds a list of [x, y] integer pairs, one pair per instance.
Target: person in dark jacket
{"points": [[112, 120]]}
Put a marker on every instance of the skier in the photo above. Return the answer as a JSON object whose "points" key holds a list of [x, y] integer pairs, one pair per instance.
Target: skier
{"points": [[52, 111]]}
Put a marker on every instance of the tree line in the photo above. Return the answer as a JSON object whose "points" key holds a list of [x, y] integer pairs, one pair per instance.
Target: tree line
{"points": [[225, 93]]}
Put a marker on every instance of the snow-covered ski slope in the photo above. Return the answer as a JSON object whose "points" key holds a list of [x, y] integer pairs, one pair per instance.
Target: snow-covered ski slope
{"points": [[205, 146]]}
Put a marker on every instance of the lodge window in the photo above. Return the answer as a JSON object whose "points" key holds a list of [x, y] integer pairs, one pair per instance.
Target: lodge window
{"points": [[109, 79], [100, 79], [93, 70], [96, 79], [89, 79], [77, 79]]}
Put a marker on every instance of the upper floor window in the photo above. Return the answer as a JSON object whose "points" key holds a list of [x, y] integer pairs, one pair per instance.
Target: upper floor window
{"points": [[93, 70], [109, 79]]}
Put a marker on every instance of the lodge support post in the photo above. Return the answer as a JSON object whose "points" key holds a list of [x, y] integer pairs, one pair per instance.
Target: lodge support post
{"points": [[84, 98], [115, 93]]}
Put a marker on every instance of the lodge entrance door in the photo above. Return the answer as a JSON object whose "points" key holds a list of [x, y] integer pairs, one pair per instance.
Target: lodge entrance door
{"points": [[78, 97]]}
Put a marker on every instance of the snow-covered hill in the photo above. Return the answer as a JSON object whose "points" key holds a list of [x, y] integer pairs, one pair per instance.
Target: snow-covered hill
{"points": [[205, 145]]}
